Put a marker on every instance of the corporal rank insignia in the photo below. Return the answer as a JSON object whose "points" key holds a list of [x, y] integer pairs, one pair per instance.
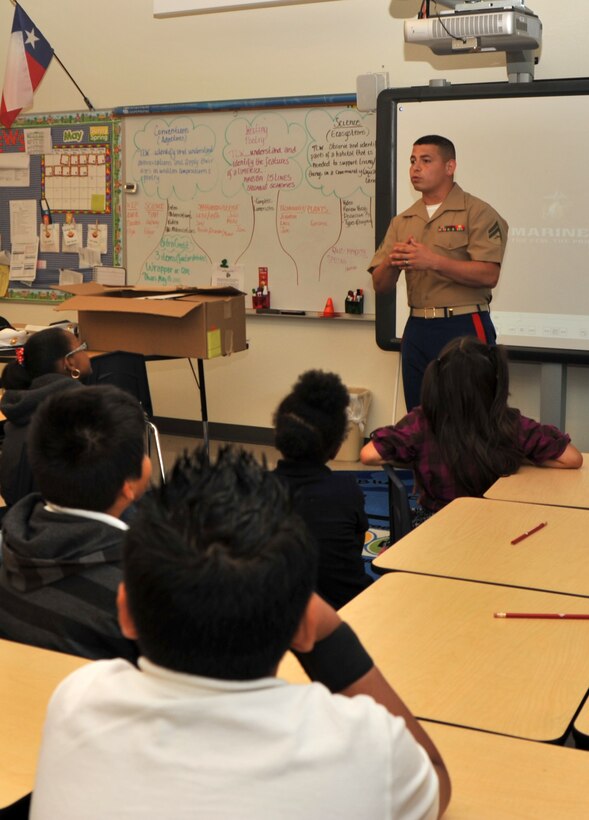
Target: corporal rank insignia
{"points": [[495, 231], [450, 228]]}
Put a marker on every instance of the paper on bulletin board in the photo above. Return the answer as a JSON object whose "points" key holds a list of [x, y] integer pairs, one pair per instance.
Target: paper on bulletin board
{"points": [[23, 261], [70, 277], [88, 258], [109, 275], [23, 220], [15, 170], [49, 238], [38, 140], [4, 279], [72, 237], [97, 237]]}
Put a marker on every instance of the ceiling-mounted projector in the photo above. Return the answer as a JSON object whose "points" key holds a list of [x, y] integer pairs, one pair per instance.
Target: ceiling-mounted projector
{"points": [[477, 26]]}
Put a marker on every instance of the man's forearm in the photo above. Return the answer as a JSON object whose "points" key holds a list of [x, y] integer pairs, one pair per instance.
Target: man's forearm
{"points": [[469, 272], [385, 277]]}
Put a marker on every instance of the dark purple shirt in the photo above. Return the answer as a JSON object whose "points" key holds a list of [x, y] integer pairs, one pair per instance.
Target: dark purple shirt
{"points": [[411, 442]]}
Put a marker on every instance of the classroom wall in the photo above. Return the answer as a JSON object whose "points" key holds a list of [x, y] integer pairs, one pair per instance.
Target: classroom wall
{"points": [[121, 55]]}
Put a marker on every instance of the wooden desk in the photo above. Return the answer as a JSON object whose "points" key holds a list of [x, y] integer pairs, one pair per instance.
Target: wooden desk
{"points": [[28, 677], [543, 485], [471, 539], [502, 778], [437, 642]]}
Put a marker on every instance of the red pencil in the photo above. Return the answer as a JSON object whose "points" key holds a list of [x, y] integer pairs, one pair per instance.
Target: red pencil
{"points": [[559, 616], [529, 532]]}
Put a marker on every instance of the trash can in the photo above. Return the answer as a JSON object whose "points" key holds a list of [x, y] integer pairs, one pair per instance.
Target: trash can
{"points": [[358, 407]]}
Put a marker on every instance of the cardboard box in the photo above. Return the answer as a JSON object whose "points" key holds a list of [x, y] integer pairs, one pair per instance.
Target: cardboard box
{"points": [[199, 323]]}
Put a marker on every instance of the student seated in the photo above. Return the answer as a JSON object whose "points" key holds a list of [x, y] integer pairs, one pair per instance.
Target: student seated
{"points": [[52, 360], [310, 425], [218, 584], [62, 547], [464, 436]]}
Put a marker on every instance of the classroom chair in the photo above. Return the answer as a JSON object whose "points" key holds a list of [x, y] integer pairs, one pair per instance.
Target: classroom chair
{"points": [[400, 522], [128, 372]]}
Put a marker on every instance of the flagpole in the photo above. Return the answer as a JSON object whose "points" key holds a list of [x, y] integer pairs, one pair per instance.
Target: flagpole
{"points": [[84, 97]]}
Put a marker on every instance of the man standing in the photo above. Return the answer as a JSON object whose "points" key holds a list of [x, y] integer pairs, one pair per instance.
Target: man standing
{"points": [[450, 245]]}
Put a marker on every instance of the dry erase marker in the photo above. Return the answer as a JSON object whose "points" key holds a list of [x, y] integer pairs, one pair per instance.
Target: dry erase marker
{"points": [[529, 532], [557, 616], [45, 212]]}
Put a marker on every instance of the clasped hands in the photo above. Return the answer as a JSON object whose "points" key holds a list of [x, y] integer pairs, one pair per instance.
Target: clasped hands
{"points": [[411, 255]]}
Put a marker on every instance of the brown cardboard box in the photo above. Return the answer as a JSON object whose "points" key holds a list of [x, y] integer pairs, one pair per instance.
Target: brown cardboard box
{"points": [[200, 323]]}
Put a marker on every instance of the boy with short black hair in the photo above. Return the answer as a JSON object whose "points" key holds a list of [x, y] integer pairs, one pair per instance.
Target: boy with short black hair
{"points": [[219, 578], [62, 547]]}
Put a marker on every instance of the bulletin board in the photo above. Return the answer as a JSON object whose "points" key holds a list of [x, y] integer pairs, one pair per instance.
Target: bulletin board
{"points": [[71, 162], [286, 185]]}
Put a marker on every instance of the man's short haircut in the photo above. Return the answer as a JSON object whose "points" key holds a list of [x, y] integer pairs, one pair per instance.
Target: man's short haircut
{"points": [[447, 149], [218, 569], [311, 422], [84, 444]]}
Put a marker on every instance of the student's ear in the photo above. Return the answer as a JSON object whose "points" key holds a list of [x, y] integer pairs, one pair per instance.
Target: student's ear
{"points": [[68, 365], [306, 635], [125, 620], [134, 488], [127, 491]]}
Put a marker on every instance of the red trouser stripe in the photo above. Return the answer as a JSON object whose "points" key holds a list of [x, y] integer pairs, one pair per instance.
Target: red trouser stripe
{"points": [[478, 326]]}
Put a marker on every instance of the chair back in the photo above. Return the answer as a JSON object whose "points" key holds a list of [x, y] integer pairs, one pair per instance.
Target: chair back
{"points": [[399, 510], [124, 370]]}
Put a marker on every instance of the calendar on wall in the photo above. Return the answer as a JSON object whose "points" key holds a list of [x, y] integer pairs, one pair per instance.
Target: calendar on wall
{"points": [[77, 178]]}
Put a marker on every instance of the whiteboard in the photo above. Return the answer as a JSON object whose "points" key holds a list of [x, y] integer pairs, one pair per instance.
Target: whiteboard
{"points": [[290, 189]]}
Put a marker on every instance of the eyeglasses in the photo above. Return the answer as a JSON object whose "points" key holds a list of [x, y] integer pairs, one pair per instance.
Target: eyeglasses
{"points": [[78, 349]]}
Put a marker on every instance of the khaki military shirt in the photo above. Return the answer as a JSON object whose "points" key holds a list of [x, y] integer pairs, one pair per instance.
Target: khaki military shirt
{"points": [[463, 228]]}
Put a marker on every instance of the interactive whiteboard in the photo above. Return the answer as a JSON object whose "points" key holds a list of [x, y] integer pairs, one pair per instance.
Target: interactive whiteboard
{"points": [[522, 153]]}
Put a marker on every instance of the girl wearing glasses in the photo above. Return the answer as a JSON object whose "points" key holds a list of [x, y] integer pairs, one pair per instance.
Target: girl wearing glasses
{"points": [[50, 361]]}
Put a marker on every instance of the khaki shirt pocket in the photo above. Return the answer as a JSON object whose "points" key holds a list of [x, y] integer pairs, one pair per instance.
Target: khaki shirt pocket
{"points": [[450, 242]]}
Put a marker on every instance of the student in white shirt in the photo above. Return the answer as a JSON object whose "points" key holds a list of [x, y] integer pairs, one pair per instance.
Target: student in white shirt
{"points": [[218, 584]]}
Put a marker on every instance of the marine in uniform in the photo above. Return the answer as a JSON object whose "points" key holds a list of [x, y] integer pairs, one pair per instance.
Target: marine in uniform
{"points": [[450, 245]]}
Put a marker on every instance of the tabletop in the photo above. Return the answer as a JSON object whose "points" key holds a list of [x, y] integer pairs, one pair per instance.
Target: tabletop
{"points": [[471, 539], [28, 677], [502, 777], [545, 485], [437, 642]]}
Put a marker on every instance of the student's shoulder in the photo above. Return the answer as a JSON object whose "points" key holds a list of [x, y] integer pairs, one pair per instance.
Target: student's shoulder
{"points": [[345, 481], [351, 709], [87, 683]]}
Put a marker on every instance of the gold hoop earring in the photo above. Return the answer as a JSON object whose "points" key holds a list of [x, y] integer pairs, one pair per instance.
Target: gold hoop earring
{"points": [[75, 373]]}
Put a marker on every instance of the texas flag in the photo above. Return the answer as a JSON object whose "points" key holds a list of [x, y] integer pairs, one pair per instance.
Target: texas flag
{"points": [[29, 55]]}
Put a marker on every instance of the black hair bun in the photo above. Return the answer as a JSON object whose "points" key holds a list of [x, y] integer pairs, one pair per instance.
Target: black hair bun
{"points": [[322, 391]]}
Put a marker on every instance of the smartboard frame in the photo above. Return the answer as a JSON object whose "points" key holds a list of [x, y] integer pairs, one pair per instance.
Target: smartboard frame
{"points": [[387, 335]]}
